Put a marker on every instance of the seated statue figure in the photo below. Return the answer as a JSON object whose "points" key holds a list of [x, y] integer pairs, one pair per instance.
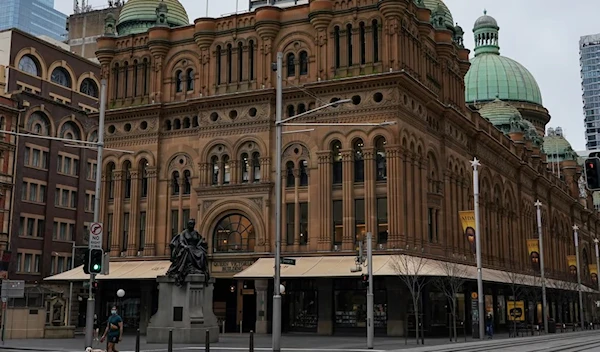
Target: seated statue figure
{"points": [[188, 254]]}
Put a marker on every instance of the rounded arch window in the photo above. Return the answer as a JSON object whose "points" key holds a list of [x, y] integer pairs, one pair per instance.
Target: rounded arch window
{"points": [[61, 76], [39, 123], [89, 87], [29, 65], [234, 233], [70, 131]]}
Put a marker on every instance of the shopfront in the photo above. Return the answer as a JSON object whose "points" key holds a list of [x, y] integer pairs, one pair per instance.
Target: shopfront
{"points": [[300, 302], [350, 306]]}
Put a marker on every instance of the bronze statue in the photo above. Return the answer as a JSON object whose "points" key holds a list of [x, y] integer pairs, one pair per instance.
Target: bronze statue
{"points": [[188, 254]]}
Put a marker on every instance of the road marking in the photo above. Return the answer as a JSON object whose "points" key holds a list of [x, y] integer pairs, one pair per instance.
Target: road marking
{"points": [[260, 349]]}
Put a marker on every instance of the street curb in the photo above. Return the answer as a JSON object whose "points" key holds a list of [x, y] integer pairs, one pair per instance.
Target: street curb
{"points": [[11, 348]]}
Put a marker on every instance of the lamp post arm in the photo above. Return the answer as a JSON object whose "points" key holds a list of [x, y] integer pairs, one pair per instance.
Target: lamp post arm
{"points": [[313, 111]]}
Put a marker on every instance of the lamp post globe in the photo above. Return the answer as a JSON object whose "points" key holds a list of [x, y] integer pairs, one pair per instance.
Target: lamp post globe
{"points": [[120, 293], [282, 289]]}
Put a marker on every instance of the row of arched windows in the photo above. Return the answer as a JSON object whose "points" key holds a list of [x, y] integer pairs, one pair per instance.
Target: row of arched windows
{"points": [[221, 168], [39, 123], [176, 181], [127, 179], [184, 80], [136, 73], [59, 75], [349, 59], [300, 65], [359, 163], [227, 75]]}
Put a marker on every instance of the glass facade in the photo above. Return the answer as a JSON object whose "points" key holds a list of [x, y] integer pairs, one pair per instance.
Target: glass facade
{"points": [[589, 51], [36, 17]]}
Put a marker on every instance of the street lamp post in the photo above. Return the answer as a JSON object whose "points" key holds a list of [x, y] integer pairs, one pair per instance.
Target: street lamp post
{"points": [[69, 307], [538, 205], [576, 238], [475, 164], [279, 124], [597, 262]]}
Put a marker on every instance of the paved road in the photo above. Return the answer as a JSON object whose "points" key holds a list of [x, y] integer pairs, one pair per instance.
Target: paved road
{"points": [[312, 343]]}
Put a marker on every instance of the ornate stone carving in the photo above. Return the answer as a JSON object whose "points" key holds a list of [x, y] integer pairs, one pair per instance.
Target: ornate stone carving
{"points": [[207, 204], [258, 201], [179, 161]]}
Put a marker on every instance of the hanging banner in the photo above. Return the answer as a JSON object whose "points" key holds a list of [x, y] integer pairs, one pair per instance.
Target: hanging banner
{"points": [[572, 262], [467, 219], [594, 273], [533, 248], [515, 310]]}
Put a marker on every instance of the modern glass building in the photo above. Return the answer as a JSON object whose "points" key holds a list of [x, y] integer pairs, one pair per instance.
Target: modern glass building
{"points": [[37, 17], [589, 51]]}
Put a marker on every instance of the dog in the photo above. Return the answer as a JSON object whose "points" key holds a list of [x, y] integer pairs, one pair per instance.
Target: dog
{"points": [[89, 349]]}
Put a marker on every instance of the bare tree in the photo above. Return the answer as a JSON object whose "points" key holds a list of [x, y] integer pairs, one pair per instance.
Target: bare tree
{"points": [[516, 282], [410, 270], [451, 284], [533, 291]]}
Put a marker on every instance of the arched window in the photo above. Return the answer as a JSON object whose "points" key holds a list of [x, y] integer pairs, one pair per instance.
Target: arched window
{"points": [[301, 108], [290, 179], [380, 159], [214, 161], [234, 233], [110, 168], [349, 43], [186, 122], [145, 78], [136, 67], [303, 63], [363, 43], [143, 172], [176, 124], [127, 172], [245, 168], [336, 153], [29, 64], [218, 64], [89, 87], [178, 81], [375, 33], [303, 173], [336, 44], [126, 74], [291, 65], [256, 166], [290, 111], [168, 125], [116, 73], [226, 170], [251, 60], [229, 63], [190, 79], [187, 182], [38, 123], [359, 162], [61, 76], [70, 130], [175, 183], [195, 121], [240, 52]]}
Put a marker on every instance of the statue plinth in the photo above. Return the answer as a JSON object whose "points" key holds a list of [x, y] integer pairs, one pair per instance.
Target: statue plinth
{"points": [[185, 309]]}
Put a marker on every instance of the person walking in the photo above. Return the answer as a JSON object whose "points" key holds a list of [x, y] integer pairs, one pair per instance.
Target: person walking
{"points": [[114, 330], [489, 326]]}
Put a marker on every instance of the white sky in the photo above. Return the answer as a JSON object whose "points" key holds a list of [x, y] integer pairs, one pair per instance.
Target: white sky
{"points": [[543, 35]]}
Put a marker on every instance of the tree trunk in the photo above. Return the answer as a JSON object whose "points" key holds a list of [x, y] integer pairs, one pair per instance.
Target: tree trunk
{"points": [[416, 305], [454, 323]]}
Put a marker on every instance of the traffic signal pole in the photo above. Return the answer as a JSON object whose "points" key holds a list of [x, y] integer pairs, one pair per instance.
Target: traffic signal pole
{"points": [[370, 301], [91, 302]]}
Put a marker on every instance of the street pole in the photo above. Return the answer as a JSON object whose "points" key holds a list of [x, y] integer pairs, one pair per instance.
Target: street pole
{"points": [[475, 163], [538, 205], [370, 303], [71, 285], [278, 136], [91, 302], [576, 235], [597, 262]]}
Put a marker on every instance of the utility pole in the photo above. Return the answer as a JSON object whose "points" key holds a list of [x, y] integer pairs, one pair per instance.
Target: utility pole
{"points": [[370, 302], [538, 205], [278, 137], [576, 238], [475, 164]]}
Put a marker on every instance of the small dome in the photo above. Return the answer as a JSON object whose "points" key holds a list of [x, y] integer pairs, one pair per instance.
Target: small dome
{"points": [[486, 21], [557, 147], [137, 16], [500, 113], [438, 5]]}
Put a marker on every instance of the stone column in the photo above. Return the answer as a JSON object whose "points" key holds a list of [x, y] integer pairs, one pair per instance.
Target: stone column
{"points": [[118, 211], [132, 241], [395, 195], [236, 175], [265, 169], [324, 201], [422, 195], [296, 210], [325, 306], [262, 320], [370, 196], [151, 202], [348, 199], [410, 208]]}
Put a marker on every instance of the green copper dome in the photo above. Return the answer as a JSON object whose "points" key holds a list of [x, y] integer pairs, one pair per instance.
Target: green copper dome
{"points": [[438, 7], [137, 16], [494, 76], [556, 146], [500, 114]]}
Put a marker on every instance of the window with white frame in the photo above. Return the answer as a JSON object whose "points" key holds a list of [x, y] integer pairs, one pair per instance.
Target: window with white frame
{"points": [[63, 230], [31, 225], [60, 263], [35, 156], [89, 201], [29, 262], [91, 170], [67, 164], [65, 197], [33, 191]]}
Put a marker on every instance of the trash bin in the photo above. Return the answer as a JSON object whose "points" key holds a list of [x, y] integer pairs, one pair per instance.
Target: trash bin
{"points": [[551, 326]]}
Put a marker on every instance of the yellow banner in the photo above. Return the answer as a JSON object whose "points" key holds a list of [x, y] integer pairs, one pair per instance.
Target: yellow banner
{"points": [[594, 272], [467, 219], [572, 262], [533, 248], [515, 310]]}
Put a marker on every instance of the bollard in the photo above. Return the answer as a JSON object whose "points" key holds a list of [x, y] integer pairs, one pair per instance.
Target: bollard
{"points": [[207, 341], [137, 341], [251, 348], [170, 346]]}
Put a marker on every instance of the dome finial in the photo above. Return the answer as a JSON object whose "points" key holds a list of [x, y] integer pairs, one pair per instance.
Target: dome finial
{"points": [[484, 12]]}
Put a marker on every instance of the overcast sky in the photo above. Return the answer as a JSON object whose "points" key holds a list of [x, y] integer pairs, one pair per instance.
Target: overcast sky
{"points": [[543, 35]]}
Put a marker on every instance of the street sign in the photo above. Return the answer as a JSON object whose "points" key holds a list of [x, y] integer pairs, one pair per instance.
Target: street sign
{"points": [[288, 261], [95, 235], [13, 288]]}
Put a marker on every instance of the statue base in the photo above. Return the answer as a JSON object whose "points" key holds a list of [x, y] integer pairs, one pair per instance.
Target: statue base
{"points": [[187, 310]]}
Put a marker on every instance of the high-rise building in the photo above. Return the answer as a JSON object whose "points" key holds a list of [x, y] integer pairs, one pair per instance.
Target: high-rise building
{"points": [[37, 17], [87, 25], [589, 51]]}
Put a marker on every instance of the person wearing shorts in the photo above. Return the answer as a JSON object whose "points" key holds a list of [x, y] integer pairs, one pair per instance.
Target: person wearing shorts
{"points": [[114, 330]]}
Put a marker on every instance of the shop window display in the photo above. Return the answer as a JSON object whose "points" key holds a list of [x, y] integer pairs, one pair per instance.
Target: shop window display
{"points": [[302, 305], [351, 305]]}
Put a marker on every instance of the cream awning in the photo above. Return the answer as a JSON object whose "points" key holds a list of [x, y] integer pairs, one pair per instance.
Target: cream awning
{"points": [[339, 266], [128, 270]]}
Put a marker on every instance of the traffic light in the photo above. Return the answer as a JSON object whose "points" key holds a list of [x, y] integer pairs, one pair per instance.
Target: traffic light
{"points": [[592, 173], [94, 287], [364, 279], [96, 261], [86, 261]]}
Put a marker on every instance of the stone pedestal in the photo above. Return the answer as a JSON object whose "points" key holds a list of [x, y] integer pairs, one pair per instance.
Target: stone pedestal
{"points": [[187, 310]]}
